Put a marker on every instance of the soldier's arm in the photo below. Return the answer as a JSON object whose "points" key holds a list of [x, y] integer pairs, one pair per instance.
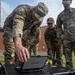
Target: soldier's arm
{"points": [[18, 23], [47, 41], [38, 35], [59, 27]]}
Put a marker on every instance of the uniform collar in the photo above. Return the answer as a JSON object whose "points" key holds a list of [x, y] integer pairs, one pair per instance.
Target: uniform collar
{"points": [[68, 10]]}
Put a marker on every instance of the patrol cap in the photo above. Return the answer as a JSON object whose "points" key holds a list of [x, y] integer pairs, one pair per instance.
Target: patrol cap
{"points": [[66, 1], [50, 20], [40, 10]]}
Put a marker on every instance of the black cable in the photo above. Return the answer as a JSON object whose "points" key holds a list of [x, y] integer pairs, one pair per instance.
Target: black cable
{"points": [[3, 69]]}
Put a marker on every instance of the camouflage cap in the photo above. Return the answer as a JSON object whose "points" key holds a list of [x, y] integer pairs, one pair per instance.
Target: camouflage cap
{"points": [[66, 1], [40, 10], [50, 20]]}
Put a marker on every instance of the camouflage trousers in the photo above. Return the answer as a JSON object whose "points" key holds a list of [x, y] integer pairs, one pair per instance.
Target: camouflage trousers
{"points": [[56, 52], [9, 54], [33, 49], [68, 48]]}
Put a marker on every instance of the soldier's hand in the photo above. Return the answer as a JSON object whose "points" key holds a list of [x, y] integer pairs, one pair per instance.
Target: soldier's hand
{"points": [[22, 53], [51, 54]]}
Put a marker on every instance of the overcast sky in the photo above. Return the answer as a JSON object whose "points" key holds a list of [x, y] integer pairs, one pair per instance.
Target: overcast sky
{"points": [[54, 6]]}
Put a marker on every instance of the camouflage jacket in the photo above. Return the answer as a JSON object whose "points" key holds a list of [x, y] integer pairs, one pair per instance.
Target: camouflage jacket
{"points": [[67, 19], [19, 21], [32, 35], [50, 37]]}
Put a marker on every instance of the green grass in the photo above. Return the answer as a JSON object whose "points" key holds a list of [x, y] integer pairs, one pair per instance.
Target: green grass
{"points": [[74, 62], [1, 57]]}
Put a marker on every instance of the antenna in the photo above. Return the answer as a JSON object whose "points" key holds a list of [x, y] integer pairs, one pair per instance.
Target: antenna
{"points": [[0, 13]]}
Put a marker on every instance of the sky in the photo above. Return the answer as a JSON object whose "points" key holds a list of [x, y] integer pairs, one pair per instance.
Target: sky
{"points": [[54, 6]]}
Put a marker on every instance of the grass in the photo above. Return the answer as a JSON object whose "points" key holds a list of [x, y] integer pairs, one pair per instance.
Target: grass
{"points": [[2, 59]]}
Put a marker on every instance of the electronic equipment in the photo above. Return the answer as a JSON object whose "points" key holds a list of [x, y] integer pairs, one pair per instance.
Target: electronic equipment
{"points": [[35, 63]]}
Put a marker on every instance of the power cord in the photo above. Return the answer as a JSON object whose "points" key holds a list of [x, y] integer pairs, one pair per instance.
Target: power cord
{"points": [[3, 70]]}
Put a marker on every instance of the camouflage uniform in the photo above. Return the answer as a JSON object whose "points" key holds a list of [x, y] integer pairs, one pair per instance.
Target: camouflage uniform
{"points": [[34, 46], [67, 19], [16, 24], [52, 43]]}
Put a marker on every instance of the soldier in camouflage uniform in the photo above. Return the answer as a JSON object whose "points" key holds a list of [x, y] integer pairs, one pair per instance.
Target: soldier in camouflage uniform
{"points": [[51, 41], [34, 46], [24, 18], [67, 19]]}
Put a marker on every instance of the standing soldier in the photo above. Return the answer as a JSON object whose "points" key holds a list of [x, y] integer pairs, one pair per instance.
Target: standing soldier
{"points": [[23, 17], [51, 41], [67, 19]]}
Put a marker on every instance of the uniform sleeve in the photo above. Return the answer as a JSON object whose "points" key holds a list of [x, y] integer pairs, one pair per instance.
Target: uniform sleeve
{"points": [[18, 23], [48, 44], [38, 35], [59, 26]]}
